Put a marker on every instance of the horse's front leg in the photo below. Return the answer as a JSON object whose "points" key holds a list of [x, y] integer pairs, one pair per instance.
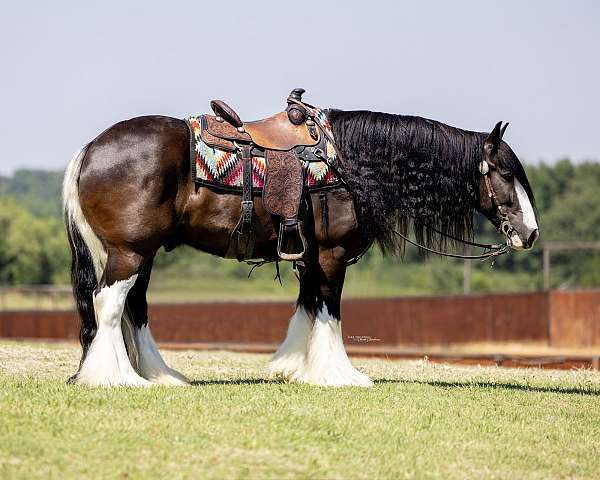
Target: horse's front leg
{"points": [[327, 363], [313, 351], [290, 358]]}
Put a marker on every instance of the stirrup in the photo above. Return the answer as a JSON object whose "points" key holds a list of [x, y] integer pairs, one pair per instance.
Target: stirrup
{"points": [[288, 227]]}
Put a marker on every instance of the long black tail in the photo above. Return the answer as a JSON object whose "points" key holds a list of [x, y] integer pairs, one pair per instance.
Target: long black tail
{"points": [[83, 279], [86, 252]]}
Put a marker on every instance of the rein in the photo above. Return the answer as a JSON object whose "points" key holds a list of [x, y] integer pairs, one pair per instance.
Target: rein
{"points": [[491, 250]]}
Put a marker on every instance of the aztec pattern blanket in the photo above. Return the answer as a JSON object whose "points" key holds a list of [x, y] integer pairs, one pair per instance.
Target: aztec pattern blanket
{"points": [[220, 168]]}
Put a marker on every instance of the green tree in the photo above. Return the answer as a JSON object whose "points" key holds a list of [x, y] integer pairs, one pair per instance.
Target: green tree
{"points": [[37, 191], [33, 250]]}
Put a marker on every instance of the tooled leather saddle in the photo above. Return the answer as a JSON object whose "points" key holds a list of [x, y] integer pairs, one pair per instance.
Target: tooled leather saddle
{"points": [[284, 140]]}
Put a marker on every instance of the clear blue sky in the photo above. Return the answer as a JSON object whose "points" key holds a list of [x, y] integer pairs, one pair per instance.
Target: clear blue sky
{"points": [[70, 69]]}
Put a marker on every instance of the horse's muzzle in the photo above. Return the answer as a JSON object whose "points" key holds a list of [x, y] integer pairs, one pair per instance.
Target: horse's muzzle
{"points": [[517, 243]]}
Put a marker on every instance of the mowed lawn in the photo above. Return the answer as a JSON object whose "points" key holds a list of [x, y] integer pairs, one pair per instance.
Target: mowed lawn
{"points": [[421, 420]]}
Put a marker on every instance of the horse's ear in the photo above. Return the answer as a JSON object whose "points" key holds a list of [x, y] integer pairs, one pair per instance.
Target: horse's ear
{"points": [[492, 142], [503, 130]]}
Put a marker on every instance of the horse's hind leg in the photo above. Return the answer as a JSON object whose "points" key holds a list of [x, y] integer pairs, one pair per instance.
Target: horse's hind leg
{"points": [[148, 360], [107, 362]]}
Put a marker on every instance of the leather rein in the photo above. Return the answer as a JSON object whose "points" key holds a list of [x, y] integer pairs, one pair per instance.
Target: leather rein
{"points": [[491, 250]]}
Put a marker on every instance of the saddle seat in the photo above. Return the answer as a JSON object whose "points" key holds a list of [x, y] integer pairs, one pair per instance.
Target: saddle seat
{"points": [[282, 131], [278, 133]]}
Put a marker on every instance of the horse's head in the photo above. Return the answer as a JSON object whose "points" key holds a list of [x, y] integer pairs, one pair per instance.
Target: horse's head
{"points": [[505, 196]]}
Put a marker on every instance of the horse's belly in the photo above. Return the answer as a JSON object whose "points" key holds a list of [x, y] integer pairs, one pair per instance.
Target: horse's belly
{"points": [[211, 217]]}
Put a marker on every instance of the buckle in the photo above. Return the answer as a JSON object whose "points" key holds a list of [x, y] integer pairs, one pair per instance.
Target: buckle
{"points": [[247, 208]]}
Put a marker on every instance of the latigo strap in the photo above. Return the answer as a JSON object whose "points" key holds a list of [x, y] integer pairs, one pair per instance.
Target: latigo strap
{"points": [[243, 236]]}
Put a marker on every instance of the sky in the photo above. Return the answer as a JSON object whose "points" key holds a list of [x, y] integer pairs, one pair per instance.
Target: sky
{"points": [[70, 69]]}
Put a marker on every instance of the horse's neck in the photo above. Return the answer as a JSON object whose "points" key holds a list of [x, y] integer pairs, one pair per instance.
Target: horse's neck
{"points": [[454, 142]]}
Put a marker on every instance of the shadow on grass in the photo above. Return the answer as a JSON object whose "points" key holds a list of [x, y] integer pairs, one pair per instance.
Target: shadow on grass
{"points": [[498, 386], [243, 381], [433, 383]]}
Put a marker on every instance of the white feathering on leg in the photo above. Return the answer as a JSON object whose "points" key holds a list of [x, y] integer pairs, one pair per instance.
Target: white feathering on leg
{"points": [[107, 363], [151, 364], [326, 362], [291, 355]]}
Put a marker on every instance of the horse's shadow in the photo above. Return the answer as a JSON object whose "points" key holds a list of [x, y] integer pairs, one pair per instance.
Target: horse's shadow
{"points": [[499, 386], [433, 383]]}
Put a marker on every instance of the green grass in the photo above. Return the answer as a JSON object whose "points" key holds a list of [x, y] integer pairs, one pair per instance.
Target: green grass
{"points": [[421, 420]]}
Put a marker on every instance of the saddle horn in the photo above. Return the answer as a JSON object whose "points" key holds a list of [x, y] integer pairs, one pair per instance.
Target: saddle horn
{"points": [[296, 94], [297, 114]]}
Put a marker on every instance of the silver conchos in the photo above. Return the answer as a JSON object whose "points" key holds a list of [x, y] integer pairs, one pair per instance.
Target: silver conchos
{"points": [[484, 168]]}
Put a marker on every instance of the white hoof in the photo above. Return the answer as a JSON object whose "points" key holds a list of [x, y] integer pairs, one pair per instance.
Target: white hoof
{"points": [[346, 376], [107, 381], [286, 366], [170, 378]]}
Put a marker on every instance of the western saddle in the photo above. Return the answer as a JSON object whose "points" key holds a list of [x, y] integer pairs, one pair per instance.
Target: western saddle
{"points": [[283, 139]]}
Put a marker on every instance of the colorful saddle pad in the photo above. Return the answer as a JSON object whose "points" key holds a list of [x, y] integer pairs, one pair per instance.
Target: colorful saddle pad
{"points": [[223, 169]]}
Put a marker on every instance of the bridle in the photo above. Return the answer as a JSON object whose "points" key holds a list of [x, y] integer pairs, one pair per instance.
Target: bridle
{"points": [[505, 226], [490, 250]]}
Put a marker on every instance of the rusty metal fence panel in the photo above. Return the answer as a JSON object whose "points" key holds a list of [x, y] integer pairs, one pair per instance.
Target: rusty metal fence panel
{"points": [[39, 324], [575, 318], [557, 318], [448, 319]]}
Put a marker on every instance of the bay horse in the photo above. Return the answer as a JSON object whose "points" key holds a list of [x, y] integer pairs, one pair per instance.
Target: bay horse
{"points": [[129, 192]]}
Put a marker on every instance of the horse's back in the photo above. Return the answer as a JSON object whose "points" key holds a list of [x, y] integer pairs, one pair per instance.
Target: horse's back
{"points": [[133, 179], [138, 140]]}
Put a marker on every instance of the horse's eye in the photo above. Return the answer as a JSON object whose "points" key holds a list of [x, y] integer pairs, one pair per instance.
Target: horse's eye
{"points": [[508, 176]]}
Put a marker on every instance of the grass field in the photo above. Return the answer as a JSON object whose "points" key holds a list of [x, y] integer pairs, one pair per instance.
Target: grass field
{"points": [[421, 420]]}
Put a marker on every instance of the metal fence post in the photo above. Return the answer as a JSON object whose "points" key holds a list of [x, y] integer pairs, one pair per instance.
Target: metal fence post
{"points": [[546, 252], [467, 272]]}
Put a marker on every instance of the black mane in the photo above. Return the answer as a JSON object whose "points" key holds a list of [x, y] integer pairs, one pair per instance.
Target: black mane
{"points": [[410, 173]]}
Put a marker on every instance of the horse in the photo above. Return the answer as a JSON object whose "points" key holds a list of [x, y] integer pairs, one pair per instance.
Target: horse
{"points": [[129, 192]]}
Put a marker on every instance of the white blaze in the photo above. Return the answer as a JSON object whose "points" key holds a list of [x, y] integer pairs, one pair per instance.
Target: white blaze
{"points": [[526, 208]]}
